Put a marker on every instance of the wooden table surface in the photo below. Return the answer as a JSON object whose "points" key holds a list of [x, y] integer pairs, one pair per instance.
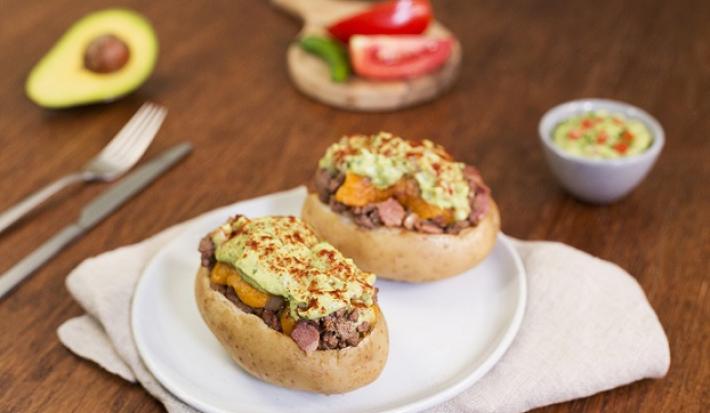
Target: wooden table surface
{"points": [[221, 72]]}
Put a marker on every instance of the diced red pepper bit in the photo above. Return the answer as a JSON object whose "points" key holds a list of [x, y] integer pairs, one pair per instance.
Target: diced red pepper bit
{"points": [[587, 123], [574, 134], [627, 137], [602, 137], [621, 147]]}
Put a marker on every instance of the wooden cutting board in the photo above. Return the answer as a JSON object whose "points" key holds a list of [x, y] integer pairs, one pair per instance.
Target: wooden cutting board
{"points": [[310, 74]]}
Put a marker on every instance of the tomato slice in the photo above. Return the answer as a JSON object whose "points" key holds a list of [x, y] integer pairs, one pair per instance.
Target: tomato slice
{"points": [[390, 17], [398, 57]]}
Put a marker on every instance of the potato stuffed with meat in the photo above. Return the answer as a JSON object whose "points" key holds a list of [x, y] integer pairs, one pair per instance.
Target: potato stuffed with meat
{"points": [[288, 307], [402, 209]]}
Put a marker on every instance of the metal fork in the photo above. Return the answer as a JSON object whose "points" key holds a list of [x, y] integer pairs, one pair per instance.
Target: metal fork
{"points": [[117, 157]]}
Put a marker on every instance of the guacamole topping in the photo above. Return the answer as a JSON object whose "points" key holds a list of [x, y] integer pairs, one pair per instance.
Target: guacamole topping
{"points": [[385, 159], [602, 135], [284, 257]]}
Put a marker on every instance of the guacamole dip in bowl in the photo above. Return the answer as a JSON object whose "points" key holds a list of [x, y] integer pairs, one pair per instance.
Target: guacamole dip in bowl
{"points": [[599, 149], [602, 134]]}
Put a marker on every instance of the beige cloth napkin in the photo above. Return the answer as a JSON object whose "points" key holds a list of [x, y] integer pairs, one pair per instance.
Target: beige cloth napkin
{"points": [[587, 328]]}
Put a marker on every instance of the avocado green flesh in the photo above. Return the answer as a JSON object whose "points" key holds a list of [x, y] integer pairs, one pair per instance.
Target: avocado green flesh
{"points": [[60, 78], [282, 256]]}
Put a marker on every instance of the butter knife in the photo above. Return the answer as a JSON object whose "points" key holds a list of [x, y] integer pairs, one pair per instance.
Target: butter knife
{"points": [[93, 213]]}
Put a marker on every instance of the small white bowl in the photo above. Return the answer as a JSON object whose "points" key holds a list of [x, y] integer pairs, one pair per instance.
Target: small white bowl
{"points": [[599, 181]]}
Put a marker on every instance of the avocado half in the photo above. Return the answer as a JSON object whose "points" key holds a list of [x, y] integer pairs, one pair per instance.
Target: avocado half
{"points": [[62, 78]]}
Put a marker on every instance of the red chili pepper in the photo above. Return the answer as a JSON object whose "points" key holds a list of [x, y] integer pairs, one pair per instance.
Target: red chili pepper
{"points": [[390, 17], [602, 137], [587, 123]]}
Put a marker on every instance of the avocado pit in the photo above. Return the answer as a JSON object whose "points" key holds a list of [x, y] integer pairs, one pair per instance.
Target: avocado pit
{"points": [[106, 54]]}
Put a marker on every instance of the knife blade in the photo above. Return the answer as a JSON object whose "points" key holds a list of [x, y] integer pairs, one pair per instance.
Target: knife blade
{"points": [[93, 213]]}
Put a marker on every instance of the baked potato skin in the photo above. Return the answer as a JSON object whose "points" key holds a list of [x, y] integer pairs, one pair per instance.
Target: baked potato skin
{"points": [[403, 255], [275, 358]]}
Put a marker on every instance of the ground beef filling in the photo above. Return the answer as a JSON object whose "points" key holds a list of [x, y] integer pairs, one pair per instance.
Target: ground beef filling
{"points": [[334, 331], [391, 213]]}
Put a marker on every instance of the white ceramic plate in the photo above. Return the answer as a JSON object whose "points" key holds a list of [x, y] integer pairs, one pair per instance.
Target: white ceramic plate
{"points": [[443, 336]]}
